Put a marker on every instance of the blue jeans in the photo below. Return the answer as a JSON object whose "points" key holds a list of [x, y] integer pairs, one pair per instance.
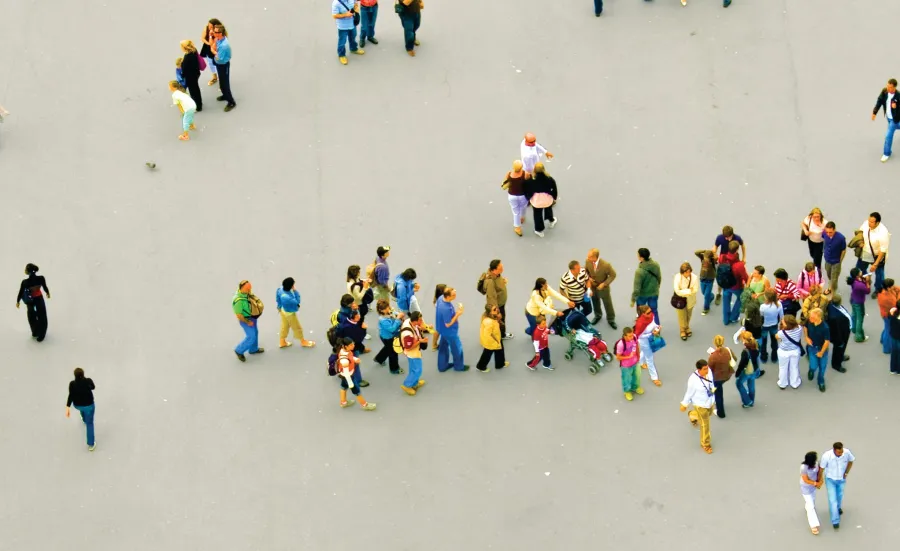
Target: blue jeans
{"points": [[343, 37], [731, 313], [367, 17], [835, 498], [532, 323], [450, 344], [816, 364], [889, 137], [598, 7], [652, 303], [879, 273], [886, 336], [87, 415], [251, 338], [410, 22], [857, 317], [414, 372], [706, 289], [768, 333], [746, 385]]}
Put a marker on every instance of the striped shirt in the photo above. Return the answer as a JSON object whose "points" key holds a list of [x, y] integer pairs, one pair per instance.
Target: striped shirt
{"points": [[796, 334], [785, 287], [572, 286]]}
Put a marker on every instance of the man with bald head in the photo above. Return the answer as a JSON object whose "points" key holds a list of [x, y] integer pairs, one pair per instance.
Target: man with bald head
{"points": [[601, 274], [532, 152]]}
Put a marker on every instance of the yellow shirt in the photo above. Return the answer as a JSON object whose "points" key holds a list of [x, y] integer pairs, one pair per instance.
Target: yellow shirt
{"points": [[490, 334]]}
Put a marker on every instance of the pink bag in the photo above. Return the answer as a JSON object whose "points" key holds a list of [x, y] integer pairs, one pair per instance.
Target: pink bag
{"points": [[202, 63]]}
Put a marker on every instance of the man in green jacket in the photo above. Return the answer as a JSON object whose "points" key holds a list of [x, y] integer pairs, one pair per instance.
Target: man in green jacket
{"points": [[495, 292], [646, 282], [247, 309]]}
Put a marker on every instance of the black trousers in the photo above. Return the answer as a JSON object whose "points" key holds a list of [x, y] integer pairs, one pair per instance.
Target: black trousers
{"points": [[815, 252], [224, 71], [37, 318], [540, 215], [720, 398], [502, 309], [837, 355], [387, 353], [499, 359], [193, 86]]}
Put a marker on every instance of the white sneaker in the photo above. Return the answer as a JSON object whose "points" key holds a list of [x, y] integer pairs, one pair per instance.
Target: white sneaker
{"points": [[548, 367], [368, 337], [884, 158], [508, 336], [552, 223], [539, 233]]}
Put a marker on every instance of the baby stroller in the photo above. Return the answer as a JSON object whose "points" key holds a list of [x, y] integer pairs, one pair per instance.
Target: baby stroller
{"points": [[574, 326]]}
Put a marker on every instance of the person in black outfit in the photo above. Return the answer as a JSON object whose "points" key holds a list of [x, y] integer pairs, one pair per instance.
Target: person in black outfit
{"points": [[753, 323], [190, 70], [354, 329], [541, 182], [839, 326], [30, 294], [81, 395]]}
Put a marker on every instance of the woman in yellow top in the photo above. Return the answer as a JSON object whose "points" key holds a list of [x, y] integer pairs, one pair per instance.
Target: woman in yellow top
{"points": [[491, 340]]}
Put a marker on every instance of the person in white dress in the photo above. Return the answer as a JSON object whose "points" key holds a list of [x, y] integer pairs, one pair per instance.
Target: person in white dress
{"points": [[811, 480]]}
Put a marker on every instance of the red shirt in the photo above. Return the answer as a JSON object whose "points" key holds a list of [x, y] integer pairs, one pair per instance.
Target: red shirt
{"points": [[541, 336], [740, 274], [368, 3]]}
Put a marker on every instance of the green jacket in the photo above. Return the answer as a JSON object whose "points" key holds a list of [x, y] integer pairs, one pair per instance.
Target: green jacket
{"points": [[241, 304], [646, 280]]}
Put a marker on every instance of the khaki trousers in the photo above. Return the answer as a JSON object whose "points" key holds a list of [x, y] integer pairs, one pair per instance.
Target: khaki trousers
{"points": [[700, 416], [684, 318], [833, 272], [605, 296], [289, 320]]}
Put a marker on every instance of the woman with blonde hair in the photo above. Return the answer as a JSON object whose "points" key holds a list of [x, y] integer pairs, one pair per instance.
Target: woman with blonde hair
{"points": [[811, 229], [721, 364], [514, 184], [190, 70], [206, 52], [685, 297], [748, 369]]}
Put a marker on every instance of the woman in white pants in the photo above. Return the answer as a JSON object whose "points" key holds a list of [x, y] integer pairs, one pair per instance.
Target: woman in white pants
{"points": [[514, 184], [789, 343], [811, 479], [206, 51], [645, 327]]}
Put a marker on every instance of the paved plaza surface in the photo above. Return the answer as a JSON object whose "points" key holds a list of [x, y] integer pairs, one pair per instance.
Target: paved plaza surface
{"points": [[667, 123]]}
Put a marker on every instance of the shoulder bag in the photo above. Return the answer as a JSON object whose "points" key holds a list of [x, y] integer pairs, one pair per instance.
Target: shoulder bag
{"points": [[355, 13], [803, 236], [795, 343], [679, 302]]}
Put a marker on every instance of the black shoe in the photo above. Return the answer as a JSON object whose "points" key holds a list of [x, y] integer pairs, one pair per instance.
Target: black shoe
{"points": [[372, 40], [761, 373], [811, 375], [398, 372], [363, 383], [846, 358], [726, 3], [840, 369], [230, 106], [362, 43], [199, 109], [259, 350], [241, 357], [822, 388], [465, 368], [598, 13], [774, 358], [836, 526], [840, 511], [763, 359], [595, 320], [220, 98], [613, 325]]}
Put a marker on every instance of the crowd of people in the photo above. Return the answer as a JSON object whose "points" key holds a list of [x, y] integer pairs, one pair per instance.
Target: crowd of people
{"points": [[350, 14]]}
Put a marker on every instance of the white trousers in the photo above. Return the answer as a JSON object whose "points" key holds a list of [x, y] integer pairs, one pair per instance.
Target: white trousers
{"points": [[211, 65], [647, 358], [811, 516], [789, 368], [518, 204]]}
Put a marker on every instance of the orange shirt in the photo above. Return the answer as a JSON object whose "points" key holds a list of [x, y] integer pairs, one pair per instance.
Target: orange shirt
{"points": [[887, 299]]}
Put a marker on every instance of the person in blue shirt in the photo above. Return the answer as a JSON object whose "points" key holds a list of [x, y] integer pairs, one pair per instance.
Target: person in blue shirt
{"points": [[818, 337], [447, 325], [388, 327], [221, 48], [834, 250], [287, 301], [405, 287], [772, 314], [342, 12]]}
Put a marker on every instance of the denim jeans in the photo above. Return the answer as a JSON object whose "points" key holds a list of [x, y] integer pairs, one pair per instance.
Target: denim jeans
{"points": [[414, 372], [746, 385], [835, 498], [886, 336], [87, 415], [652, 303], [706, 289], [817, 365], [532, 323], [879, 273], [893, 126], [251, 338], [343, 36], [768, 333], [450, 344], [367, 17], [731, 313], [410, 22], [857, 317]]}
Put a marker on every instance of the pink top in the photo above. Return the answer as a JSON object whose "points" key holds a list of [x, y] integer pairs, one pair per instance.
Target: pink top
{"points": [[805, 281], [627, 348]]}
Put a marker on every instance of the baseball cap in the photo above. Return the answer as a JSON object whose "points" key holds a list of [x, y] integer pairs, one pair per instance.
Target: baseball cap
{"points": [[383, 249]]}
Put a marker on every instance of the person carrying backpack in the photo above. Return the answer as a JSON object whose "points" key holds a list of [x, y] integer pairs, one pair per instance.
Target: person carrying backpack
{"points": [[627, 353], [346, 367], [411, 339], [247, 308], [731, 275], [405, 288]]}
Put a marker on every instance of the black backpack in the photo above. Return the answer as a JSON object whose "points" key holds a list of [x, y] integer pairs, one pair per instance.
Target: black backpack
{"points": [[725, 276], [332, 365], [332, 335], [480, 285]]}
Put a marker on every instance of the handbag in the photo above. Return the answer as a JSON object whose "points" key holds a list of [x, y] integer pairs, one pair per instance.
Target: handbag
{"points": [[355, 13], [657, 343], [679, 302], [803, 236], [202, 63], [505, 185], [795, 343]]}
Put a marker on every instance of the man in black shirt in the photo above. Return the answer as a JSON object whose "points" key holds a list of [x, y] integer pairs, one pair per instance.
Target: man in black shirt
{"points": [[30, 294], [81, 395], [410, 12], [889, 100]]}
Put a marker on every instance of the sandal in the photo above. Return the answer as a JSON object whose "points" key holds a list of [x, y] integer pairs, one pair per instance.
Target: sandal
{"points": [[213, 80], [683, 336], [657, 382], [689, 333], [707, 449], [815, 530], [308, 344]]}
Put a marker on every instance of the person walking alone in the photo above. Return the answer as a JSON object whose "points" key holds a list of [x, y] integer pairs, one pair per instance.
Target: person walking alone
{"points": [[889, 100], [699, 394], [811, 479], [221, 49], [601, 274], [81, 395], [30, 294], [247, 309], [836, 464], [410, 12], [287, 301]]}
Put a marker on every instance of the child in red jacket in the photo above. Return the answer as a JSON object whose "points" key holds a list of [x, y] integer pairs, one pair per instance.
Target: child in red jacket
{"points": [[541, 345]]}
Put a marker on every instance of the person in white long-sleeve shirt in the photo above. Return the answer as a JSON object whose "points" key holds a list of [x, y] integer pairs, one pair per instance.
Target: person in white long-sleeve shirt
{"points": [[700, 393], [541, 303], [532, 153]]}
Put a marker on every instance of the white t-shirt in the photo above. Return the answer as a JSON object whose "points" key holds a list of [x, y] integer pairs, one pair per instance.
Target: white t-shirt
{"points": [[815, 230], [179, 97], [887, 106]]}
